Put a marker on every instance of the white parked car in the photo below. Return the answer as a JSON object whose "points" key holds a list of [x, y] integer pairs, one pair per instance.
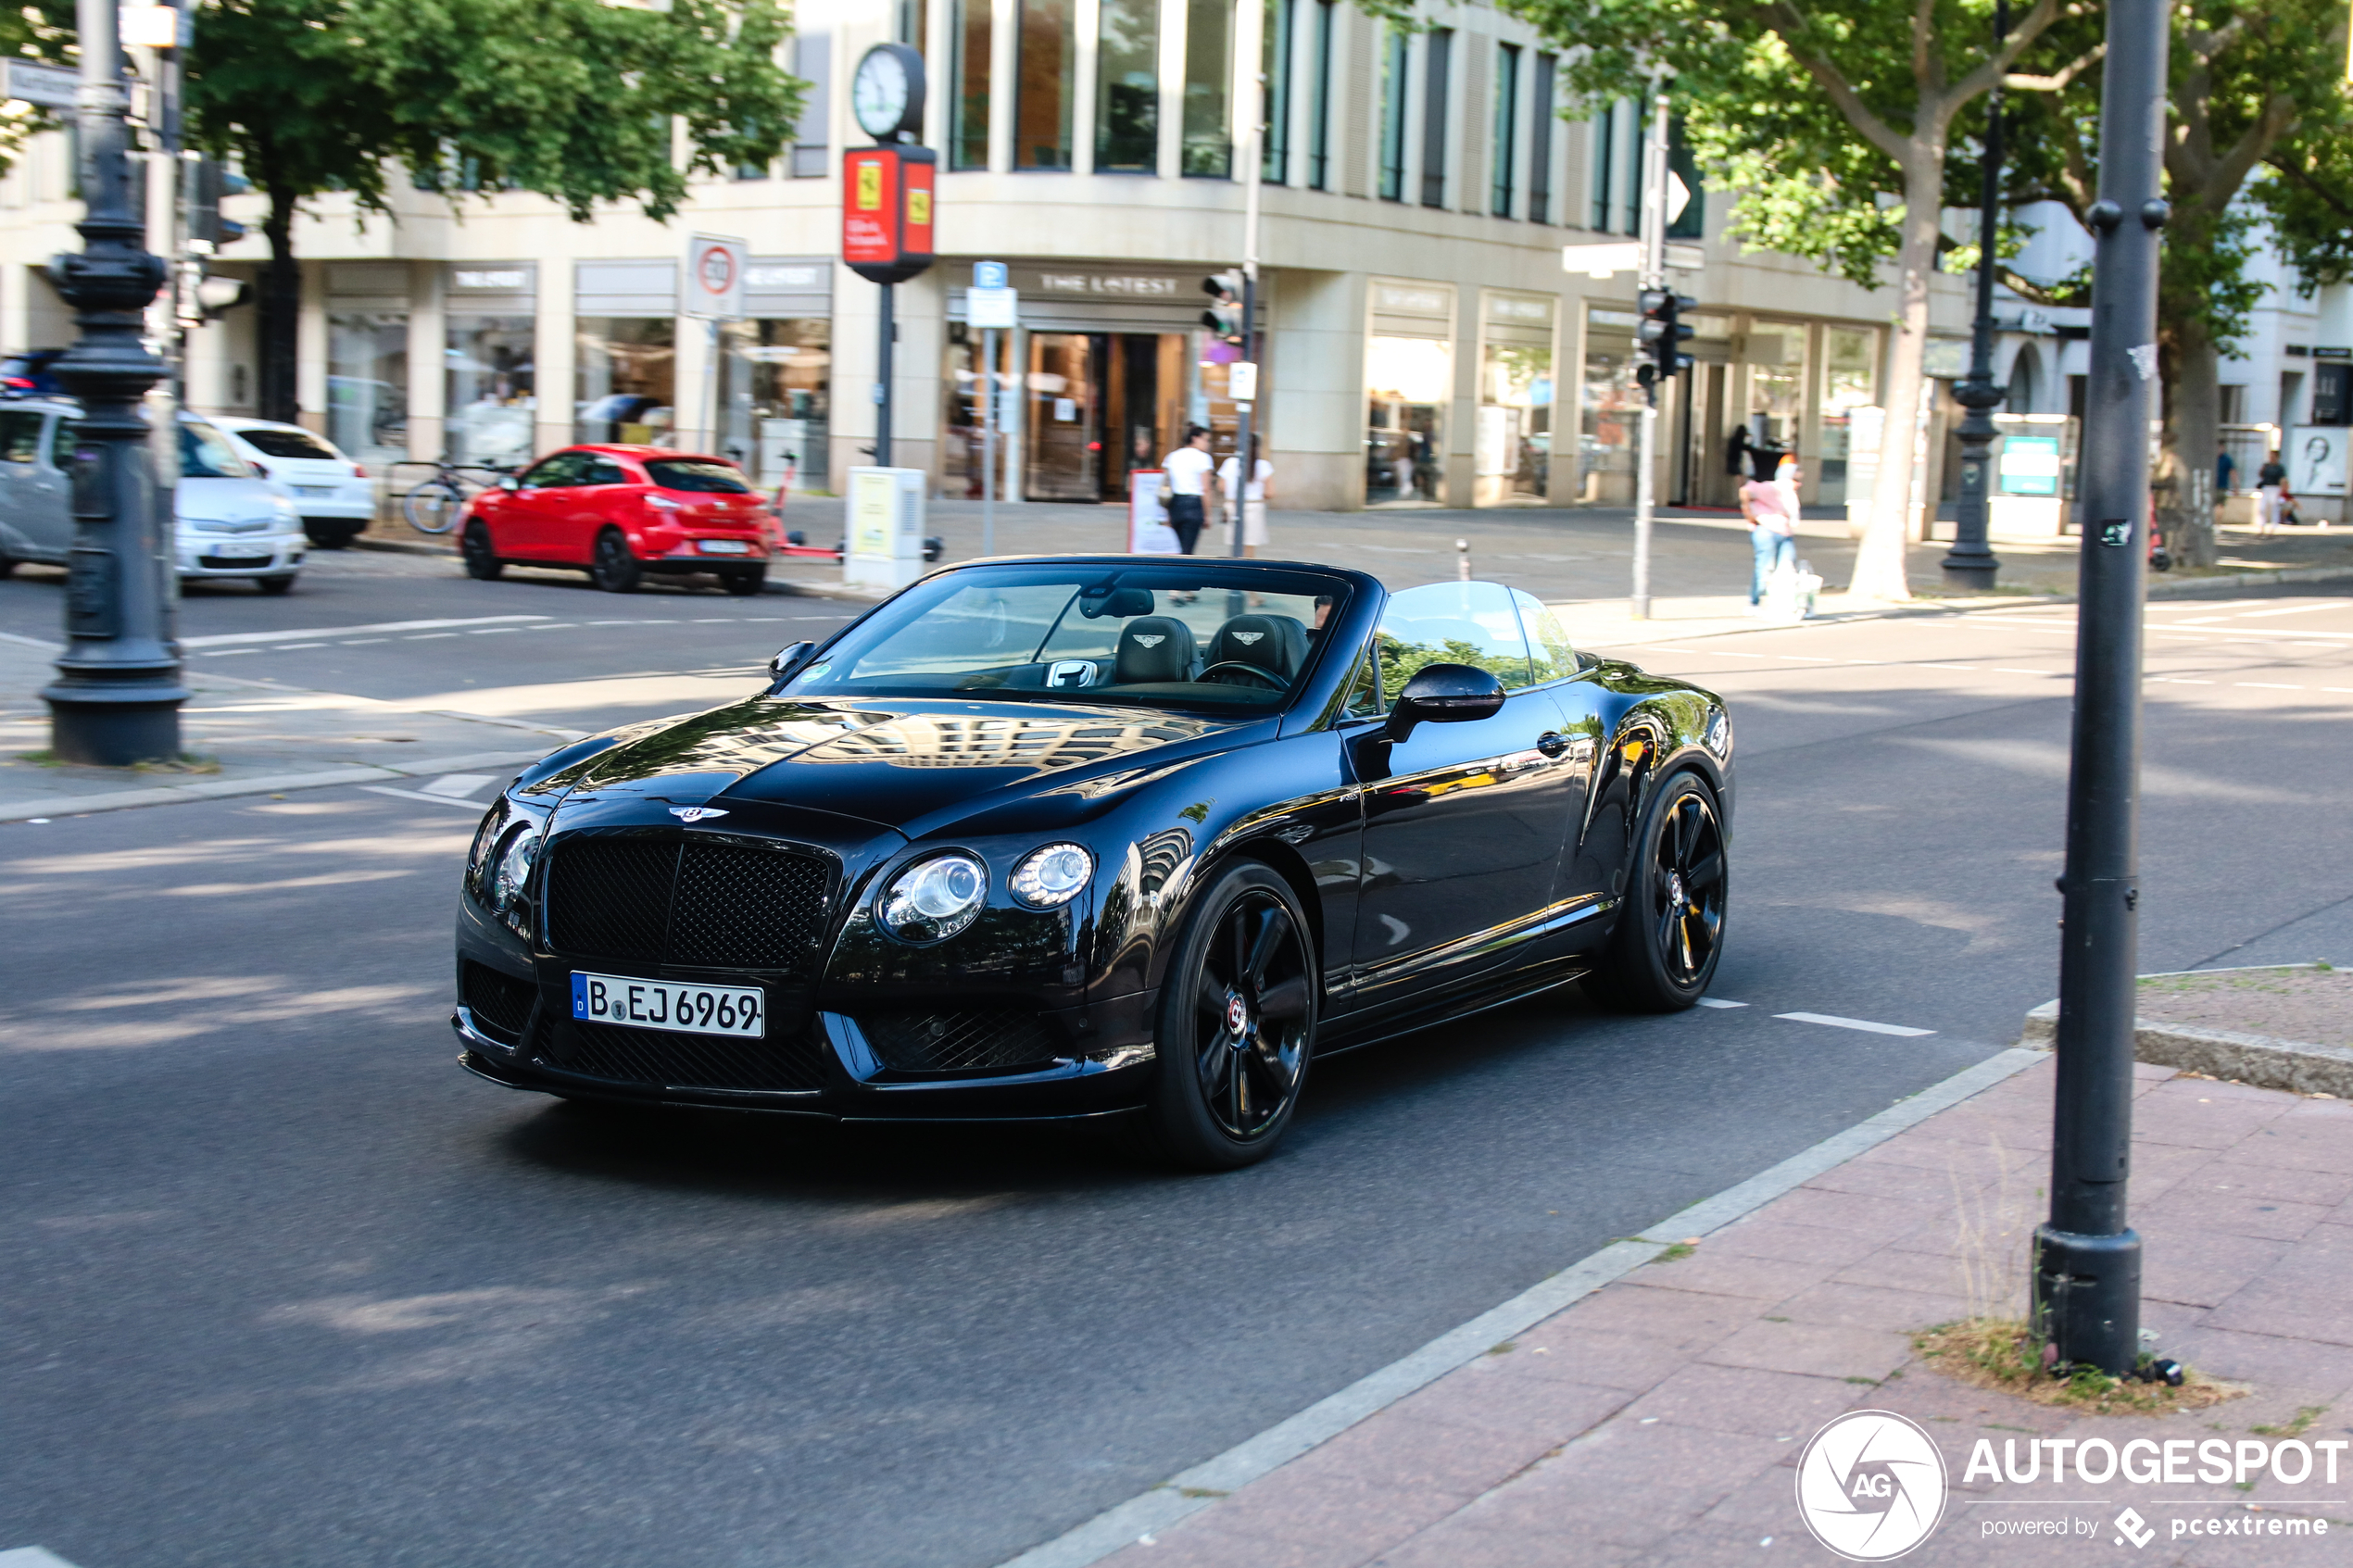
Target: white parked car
{"points": [[230, 521], [335, 496]]}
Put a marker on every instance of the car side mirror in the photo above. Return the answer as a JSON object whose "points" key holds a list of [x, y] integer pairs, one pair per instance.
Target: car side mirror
{"points": [[1445, 694], [790, 658], [509, 481]]}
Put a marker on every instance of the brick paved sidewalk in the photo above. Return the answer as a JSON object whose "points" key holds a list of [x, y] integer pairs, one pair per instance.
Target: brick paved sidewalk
{"points": [[1659, 1420]]}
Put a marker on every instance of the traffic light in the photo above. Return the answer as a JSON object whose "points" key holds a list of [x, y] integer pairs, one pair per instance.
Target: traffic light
{"points": [[1663, 333], [209, 181], [1224, 318]]}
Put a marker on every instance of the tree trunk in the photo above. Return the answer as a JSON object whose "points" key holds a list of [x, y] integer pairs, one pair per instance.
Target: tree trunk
{"points": [[2194, 433], [281, 311], [1878, 562]]}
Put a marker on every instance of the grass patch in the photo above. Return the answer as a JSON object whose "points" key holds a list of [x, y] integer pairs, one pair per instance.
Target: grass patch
{"points": [[2004, 1355], [1676, 1253], [186, 762], [2305, 1417]]}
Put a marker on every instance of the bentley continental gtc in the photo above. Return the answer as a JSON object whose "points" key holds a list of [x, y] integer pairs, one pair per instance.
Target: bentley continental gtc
{"points": [[1125, 836]]}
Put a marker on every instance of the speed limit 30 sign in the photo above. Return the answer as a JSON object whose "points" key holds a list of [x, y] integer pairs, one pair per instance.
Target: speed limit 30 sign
{"points": [[713, 285]]}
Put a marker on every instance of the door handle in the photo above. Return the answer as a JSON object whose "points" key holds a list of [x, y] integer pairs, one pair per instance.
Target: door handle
{"points": [[1550, 743]]}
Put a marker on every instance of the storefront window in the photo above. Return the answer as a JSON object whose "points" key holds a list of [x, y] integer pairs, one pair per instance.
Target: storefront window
{"points": [[626, 379], [1776, 409], [774, 382], [367, 385], [1850, 360], [489, 389], [1209, 75], [1061, 419], [1609, 411], [1515, 446], [1411, 380], [1127, 94]]}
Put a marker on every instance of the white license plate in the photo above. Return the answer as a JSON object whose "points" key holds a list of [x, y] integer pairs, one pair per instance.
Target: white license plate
{"points": [[656, 1004], [242, 552], [725, 547], [315, 491]]}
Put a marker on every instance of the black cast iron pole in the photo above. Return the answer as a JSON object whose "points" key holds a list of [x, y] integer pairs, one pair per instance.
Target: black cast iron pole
{"points": [[2087, 1262], [1970, 564], [116, 698], [882, 380]]}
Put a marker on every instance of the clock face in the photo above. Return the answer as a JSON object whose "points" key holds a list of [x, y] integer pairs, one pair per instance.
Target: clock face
{"points": [[881, 94]]}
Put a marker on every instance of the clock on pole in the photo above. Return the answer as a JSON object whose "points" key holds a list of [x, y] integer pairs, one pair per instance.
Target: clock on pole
{"points": [[887, 196]]}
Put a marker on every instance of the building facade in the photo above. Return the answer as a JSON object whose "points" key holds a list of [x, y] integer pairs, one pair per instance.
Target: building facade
{"points": [[1423, 344]]}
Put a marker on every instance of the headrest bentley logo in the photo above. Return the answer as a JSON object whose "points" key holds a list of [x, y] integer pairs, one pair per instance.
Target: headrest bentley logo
{"points": [[1151, 642], [696, 814], [1246, 638]]}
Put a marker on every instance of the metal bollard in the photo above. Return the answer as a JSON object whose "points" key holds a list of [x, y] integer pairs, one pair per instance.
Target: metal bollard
{"points": [[1462, 561]]}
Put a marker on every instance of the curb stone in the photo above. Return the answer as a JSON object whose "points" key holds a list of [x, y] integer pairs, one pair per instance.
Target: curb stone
{"points": [[2263, 1061]]}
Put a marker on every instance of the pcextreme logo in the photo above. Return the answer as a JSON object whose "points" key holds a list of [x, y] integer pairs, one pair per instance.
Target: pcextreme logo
{"points": [[1871, 1485]]}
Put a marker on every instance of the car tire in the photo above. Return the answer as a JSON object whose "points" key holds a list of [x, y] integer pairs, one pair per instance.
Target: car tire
{"points": [[275, 585], [1247, 954], [612, 567], [1670, 927], [8, 565], [744, 585], [331, 534], [482, 562]]}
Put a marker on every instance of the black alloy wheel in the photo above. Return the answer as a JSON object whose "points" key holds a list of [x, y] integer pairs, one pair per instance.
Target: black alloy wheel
{"points": [[616, 571], [1671, 928], [744, 585], [1237, 1025], [482, 563]]}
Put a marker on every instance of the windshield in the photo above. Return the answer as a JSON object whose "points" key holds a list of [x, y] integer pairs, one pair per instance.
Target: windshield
{"points": [[288, 444], [696, 475], [205, 453], [1174, 635]]}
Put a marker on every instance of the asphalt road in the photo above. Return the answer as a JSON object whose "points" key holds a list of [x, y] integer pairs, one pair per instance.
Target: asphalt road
{"points": [[286, 1288]]}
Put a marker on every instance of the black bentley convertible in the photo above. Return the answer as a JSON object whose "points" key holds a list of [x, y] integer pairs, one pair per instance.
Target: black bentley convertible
{"points": [[1091, 836]]}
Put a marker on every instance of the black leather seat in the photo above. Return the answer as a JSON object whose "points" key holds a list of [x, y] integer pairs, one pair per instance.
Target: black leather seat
{"points": [[1276, 644], [1153, 647]]}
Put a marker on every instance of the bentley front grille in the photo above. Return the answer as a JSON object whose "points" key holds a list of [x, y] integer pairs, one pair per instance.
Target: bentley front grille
{"points": [[707, 905], [655, 1058], [959, 1042]]}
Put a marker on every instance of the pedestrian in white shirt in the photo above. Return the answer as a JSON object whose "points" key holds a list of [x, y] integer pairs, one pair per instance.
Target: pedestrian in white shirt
{"points": [[1191, 479], [1248, 509]]}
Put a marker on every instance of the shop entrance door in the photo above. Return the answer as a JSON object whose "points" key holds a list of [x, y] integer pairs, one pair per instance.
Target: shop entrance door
{"points": [[1101, 406], [1703, 480]]}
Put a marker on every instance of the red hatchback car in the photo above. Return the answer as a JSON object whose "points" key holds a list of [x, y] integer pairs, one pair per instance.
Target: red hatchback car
{"points": [[620, 512]]}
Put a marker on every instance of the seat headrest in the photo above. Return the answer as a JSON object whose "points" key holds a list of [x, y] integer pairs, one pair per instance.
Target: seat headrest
{"points": [[1153, 647], [1276, 644]]}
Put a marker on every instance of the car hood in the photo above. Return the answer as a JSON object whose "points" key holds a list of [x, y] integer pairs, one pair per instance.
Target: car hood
{"points": [[895, 763], [224, 500]]}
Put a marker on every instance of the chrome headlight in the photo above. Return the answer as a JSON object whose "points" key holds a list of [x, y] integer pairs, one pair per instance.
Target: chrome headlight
{"points": [[934, 899], [286, 512], [1049, 878], [516, 858]]}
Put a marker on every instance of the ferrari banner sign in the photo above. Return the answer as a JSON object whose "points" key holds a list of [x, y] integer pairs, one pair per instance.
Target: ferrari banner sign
{"points": [[887, 212]]}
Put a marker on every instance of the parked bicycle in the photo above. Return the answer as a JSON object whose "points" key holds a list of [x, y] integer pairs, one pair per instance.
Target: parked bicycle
{"points": [[431, 506]]}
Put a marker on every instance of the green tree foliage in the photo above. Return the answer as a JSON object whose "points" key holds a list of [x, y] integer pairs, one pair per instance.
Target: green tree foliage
{"points": [[575, 100], [1833, 119], [2259, 135]]}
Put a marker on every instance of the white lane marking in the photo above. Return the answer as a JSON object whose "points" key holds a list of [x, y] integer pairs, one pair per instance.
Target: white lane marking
{"points": [[1969, 668], [709, 620], [556, 626], [31, 1556], [1998, 670], [1863, 1024], [296, 648], [222, 638], [1190, 1491], [1719, 1002], [493, 631], [363, 642], [420, 794], [1806, 657], [2268, 686], [2294, 610], [2177, 681], [457, 786], [428, 637], [225, 653], [617, 623]]}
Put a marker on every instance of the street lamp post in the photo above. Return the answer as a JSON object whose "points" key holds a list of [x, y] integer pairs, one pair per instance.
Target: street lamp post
{"points": [[1970, 563], [117, 694], [2087, 1262]]}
